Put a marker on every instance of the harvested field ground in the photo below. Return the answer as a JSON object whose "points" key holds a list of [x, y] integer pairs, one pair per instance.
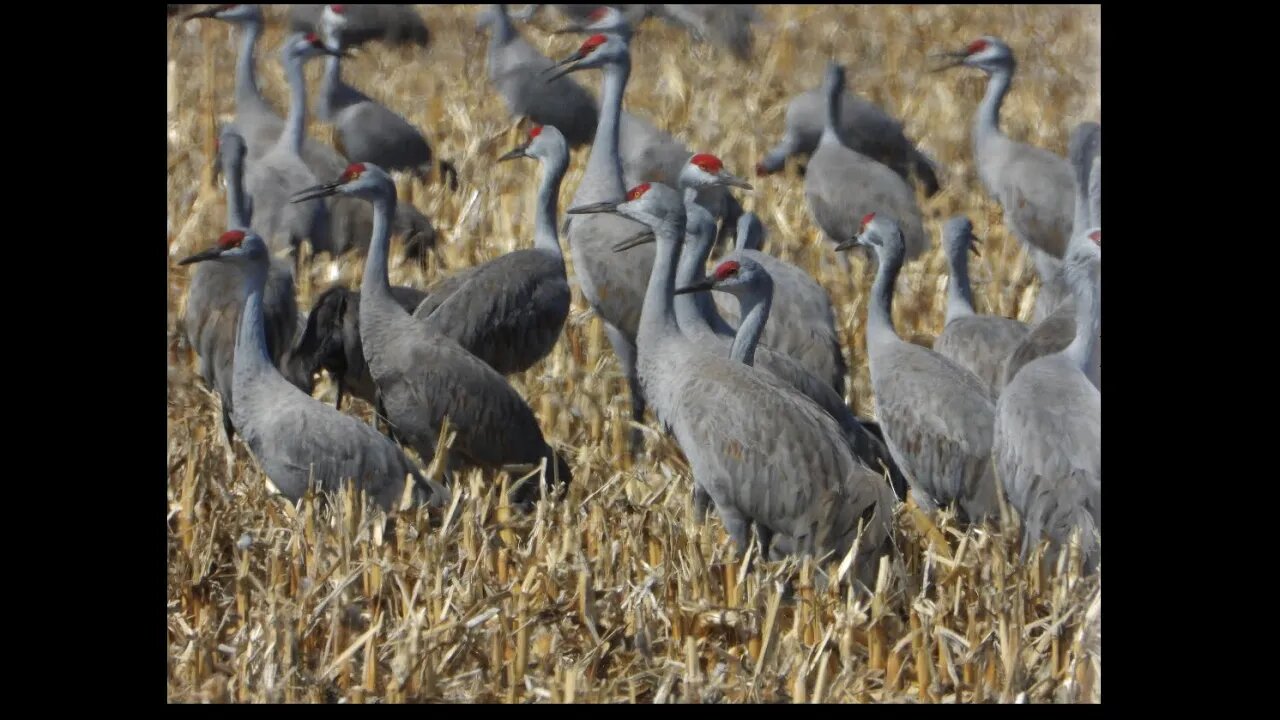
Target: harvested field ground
{"points": [[613, 593]]}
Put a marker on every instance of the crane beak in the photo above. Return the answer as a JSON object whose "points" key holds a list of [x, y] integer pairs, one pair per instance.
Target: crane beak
{"points": [[853, 242], [641, 238], [701, 286], [516, 153], [951, 59], [595, 208], [734, 181], [318, 191], [210, 254], [565, 71]]}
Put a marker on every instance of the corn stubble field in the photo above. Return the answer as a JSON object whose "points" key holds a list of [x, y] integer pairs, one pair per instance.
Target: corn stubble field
{"points": [[613, 593]]}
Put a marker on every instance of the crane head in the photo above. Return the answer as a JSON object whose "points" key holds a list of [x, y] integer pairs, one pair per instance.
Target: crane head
{"points": [[651, 203], [706, 170], [987, 53], [596, 51], [242, 245], [879, 233], [333, 20], [363, 180], [736, 275], [544, 143], [957, 237], [229, 13]]}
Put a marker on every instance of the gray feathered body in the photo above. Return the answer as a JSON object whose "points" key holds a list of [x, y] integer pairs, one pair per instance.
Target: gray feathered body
{"points": [[508, 312], [515, 69], [843, 185], [982, 344], [728, 26], [392, 24], [1033, 186], [269, 183]]}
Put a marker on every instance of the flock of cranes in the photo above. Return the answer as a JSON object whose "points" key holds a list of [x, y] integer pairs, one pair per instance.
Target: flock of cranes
{"points": [[743, 367]]}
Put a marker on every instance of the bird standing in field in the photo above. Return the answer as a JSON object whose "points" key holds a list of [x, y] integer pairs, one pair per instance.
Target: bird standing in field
{"points": [[1048, 428], [423, 377], [510, 311], [936, 416], [978, 343], [766, 456], [295, 438]]}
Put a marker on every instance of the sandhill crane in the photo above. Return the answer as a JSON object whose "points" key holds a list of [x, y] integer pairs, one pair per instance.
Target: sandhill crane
{"points": [[272, 178], [1057, 329], [728, 26], [368, 130], [392, 24], [294, 437], [213, 297], [351, 221], [864, 127], [1048, 428], [423, 377], [842, 185], [764, 454], [330, 340], [740, 276], [936, 416], [515, 69], [1033, 186], [977, 343], [509, 312], [804, 323]]}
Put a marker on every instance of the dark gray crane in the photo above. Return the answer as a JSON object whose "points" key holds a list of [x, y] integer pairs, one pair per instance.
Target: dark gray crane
{"points": [[936, 416], [392, 24], [214, 298], [864, 127], [367, 129], [842, 185], [978, 343], [295, 438], [1048, 428], [510, 311], [424, 377], [766, 456]]}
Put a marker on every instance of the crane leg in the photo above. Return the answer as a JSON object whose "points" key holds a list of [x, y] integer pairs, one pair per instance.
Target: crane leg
{"points": [[227, 427], [701, 502], [765, 535], [337, 404], [626, 352], [737, 525], [449, 172]]}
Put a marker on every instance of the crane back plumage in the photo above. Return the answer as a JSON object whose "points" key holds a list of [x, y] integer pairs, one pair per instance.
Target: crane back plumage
{"points": [[391, 24]]}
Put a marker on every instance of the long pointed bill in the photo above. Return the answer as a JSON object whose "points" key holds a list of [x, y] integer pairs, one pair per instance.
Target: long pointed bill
{"points": [[849, 244], [210, 254], [974, 242], [641, 238], [727, 179], [318, 191], [593, 208], [701, 286], [513, 154], [952, 59], [569, 61]]}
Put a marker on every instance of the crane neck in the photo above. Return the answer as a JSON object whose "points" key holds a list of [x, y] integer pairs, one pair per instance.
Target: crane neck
{"points": [[233, 169], [295, 124], [831, 130], [252, 355], [247, 92], [1095, 194], [657, 316], [1086, 288], [1081, 168], [987, 121], [959, 292], [604, 166], [503, 31], [696, 312], [376, 282], [327, 105], [880, 312], [754, 309], [545, 237]]}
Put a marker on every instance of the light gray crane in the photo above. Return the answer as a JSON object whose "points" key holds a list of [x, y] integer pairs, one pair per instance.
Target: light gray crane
{"points": [[804, 323], [392, 24], [842, 185], [351, 221], [936, 416], [728, 26], [978, 343], [294, 437], [740, 276], [280, 172], [213, 297], [1057, 328], [510, 311], [765, 455], [330, 341], [424, 377], [367, 129], [1048, 428], [864, 127], [515, 68], [1033, 186]]}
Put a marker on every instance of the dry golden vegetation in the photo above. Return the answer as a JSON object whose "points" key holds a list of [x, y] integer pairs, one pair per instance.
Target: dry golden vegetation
{"points": [[613, 593]]}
